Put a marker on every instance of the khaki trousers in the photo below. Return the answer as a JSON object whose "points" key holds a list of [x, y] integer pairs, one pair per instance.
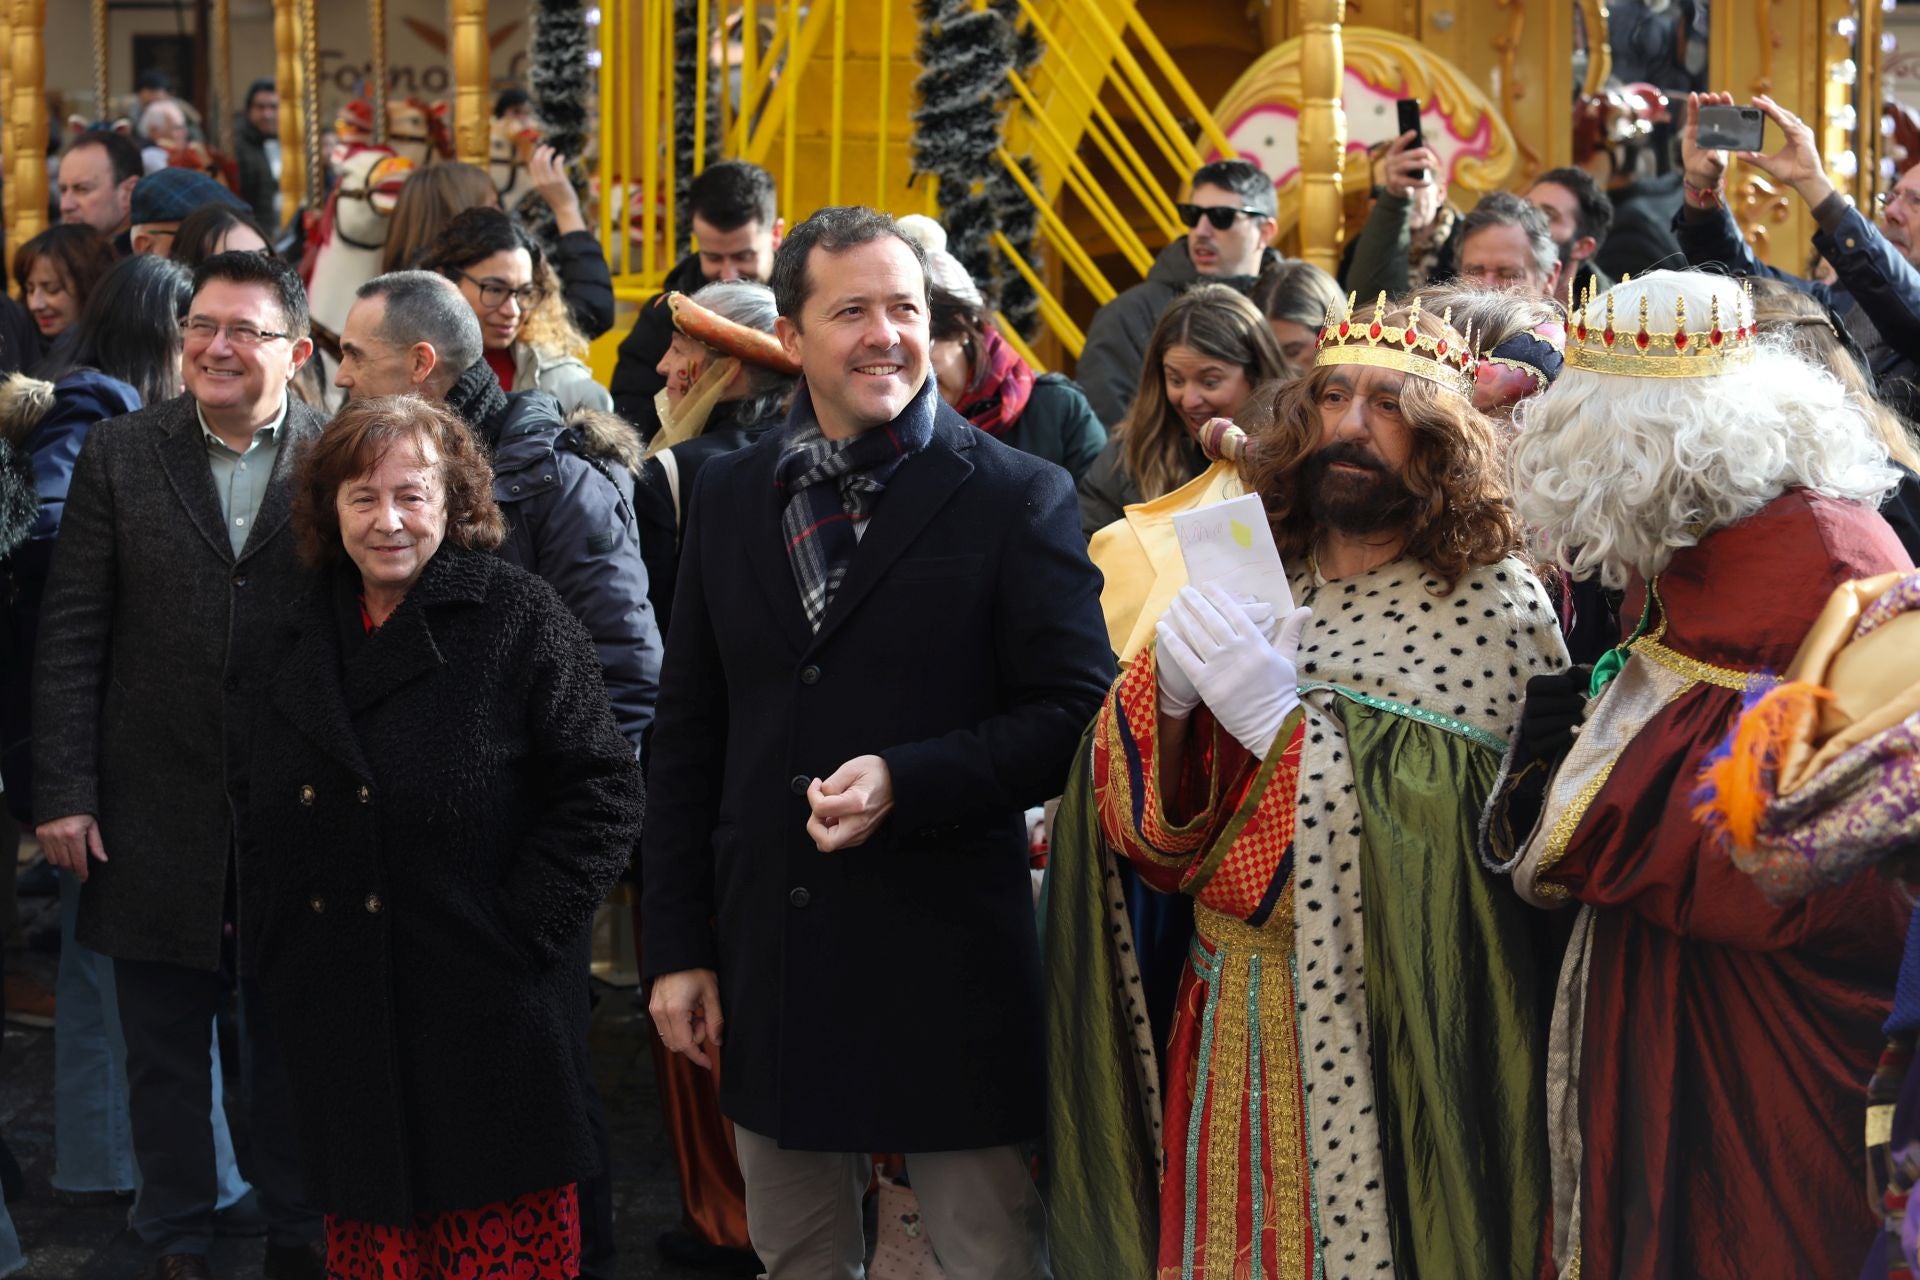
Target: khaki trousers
{"points": [[981, 1209]]}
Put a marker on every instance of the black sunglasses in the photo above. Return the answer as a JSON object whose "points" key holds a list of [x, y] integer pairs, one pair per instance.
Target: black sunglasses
{"points": [[1220, 215]]}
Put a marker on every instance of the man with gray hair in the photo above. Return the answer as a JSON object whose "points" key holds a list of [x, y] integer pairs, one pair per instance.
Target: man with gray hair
{"points": [[1506, 244], [567, 495]]}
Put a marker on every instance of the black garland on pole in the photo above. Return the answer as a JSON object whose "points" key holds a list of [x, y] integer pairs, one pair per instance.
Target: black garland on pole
{"points": [[964, 55], [561, 81], [689, 46], [1019, 220]]}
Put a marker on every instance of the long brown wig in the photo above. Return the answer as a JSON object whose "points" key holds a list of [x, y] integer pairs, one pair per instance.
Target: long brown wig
{"points": [[1463, 520], [1218, 322]]}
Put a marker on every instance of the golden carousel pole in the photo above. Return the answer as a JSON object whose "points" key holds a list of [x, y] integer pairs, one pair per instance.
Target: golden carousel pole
{"points": [[102, 89], [310, 102], [472, 70], [26, 123], [1323, 132], [377, 17], [222, 53], [6, 135], [288, 75]]}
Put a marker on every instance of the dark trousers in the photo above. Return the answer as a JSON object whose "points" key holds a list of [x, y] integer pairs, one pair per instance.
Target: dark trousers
{"points": [[599, 1252], [166, 1013]]}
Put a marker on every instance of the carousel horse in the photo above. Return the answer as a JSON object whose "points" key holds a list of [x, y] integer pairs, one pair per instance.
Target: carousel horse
{"points": [[345, 240], [416, 130]]}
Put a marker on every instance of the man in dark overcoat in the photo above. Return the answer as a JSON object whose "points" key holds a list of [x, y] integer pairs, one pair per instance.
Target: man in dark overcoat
{"points": [[886, 642], [173, 563]]}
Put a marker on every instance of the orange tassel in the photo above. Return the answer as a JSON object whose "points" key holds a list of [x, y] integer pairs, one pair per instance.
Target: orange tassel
{"points": [[1739, 784]]}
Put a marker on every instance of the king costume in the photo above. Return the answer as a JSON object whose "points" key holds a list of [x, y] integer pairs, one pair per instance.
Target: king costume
{"points": [[1710, 1049], [1353, 1078]]}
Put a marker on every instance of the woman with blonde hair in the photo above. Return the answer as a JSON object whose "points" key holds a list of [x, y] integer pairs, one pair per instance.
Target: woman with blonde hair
{"points": [[1784, 311], [1209, 352]]}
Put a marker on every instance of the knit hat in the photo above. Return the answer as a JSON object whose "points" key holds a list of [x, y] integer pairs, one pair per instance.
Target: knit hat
{"points": [[171, 194], [943, 269]]}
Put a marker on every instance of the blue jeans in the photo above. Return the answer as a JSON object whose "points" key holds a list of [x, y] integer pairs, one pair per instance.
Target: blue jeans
{"points": [[92, 1133], [11, 1259]]}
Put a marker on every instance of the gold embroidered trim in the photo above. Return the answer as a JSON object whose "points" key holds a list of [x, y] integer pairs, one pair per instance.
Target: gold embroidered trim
{"points": [[1561, 834], [1226, 1111], [1275, 938], [1692, 669], [1289, 1216]]}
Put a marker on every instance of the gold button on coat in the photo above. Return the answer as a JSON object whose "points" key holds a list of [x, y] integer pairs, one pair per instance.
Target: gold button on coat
{"points": [[373, 904], [306, 796], [366, 795], [318, 903]]}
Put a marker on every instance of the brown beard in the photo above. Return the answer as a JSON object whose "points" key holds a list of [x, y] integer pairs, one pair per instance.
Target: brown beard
{"points": [[1357, 505]]}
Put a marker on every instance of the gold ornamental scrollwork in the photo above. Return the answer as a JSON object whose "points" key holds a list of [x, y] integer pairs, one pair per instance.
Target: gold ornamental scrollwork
{"points": [[1599, 24], [1379, 67]]}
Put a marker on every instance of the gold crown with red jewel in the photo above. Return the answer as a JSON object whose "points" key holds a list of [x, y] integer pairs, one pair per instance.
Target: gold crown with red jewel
{"points": [[1448, 361], [1600, 344]]}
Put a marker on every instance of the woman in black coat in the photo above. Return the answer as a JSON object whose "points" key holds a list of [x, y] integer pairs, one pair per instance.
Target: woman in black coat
{"points": [[439, 801]]}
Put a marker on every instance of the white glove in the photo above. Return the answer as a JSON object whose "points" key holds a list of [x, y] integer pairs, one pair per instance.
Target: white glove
{"points": [[1178, 697], [1247, 681]]}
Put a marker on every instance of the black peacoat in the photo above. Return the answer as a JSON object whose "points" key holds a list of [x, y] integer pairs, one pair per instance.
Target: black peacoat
{"points": [[435, 810], [153, 648], [884, 997]]}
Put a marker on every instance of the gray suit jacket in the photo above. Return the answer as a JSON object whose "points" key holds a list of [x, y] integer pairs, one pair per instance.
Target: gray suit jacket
{"points": [[154, 640]]}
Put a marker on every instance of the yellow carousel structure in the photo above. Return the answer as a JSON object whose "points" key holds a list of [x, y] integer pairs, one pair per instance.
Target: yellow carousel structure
{"points": [[1111, 106]]}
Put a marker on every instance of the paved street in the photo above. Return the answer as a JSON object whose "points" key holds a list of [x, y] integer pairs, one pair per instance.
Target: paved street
{"points": [[65, 1243]]}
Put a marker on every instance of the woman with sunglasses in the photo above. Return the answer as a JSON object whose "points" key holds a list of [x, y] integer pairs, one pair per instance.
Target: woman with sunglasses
{"points": [[531, 343], [1209, 352]]}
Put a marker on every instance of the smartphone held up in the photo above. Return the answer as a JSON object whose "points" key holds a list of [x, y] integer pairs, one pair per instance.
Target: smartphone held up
{"points": [[1731, 128]]}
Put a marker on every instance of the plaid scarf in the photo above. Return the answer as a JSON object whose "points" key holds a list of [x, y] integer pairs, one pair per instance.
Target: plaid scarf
{"points": [[829, 485]]}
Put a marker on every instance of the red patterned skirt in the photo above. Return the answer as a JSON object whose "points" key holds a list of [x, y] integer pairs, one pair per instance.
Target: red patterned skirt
{"points": [[531, 1237]]}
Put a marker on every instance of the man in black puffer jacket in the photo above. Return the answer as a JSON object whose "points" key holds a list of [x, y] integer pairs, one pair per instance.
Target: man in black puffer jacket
{"points": [[569, 517]]}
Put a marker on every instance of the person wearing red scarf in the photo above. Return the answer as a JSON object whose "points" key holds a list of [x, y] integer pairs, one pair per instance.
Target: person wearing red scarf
{"points": [[983, 377]]}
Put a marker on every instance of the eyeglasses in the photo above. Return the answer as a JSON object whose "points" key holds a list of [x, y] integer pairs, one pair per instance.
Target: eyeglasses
{"points": [[1495, 277], [1220, 215], [494, 293], [1908, 200], [240, 335]]}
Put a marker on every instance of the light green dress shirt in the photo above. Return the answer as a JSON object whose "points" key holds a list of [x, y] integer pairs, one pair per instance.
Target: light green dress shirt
{"points": [[241, 479]]}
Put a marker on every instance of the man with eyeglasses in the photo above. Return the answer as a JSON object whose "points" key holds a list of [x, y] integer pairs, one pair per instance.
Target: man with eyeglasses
{"points": [[173, 560], [1876, 294], [1230, 224]]}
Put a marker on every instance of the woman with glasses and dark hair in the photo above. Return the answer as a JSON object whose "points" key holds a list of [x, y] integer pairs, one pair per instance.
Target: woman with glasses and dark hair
{"points": [[57, 272], [531, 342]]}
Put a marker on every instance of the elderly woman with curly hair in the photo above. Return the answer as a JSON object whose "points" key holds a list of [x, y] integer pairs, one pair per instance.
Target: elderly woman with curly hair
{"points": [[439, 801]]}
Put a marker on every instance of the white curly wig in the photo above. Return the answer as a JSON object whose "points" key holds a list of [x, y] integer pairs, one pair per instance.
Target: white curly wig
{"points": [[1611, 473]]}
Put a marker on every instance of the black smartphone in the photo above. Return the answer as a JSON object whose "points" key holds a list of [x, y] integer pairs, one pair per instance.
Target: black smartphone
{"points": [[1409, 109], [1731, 128]]}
